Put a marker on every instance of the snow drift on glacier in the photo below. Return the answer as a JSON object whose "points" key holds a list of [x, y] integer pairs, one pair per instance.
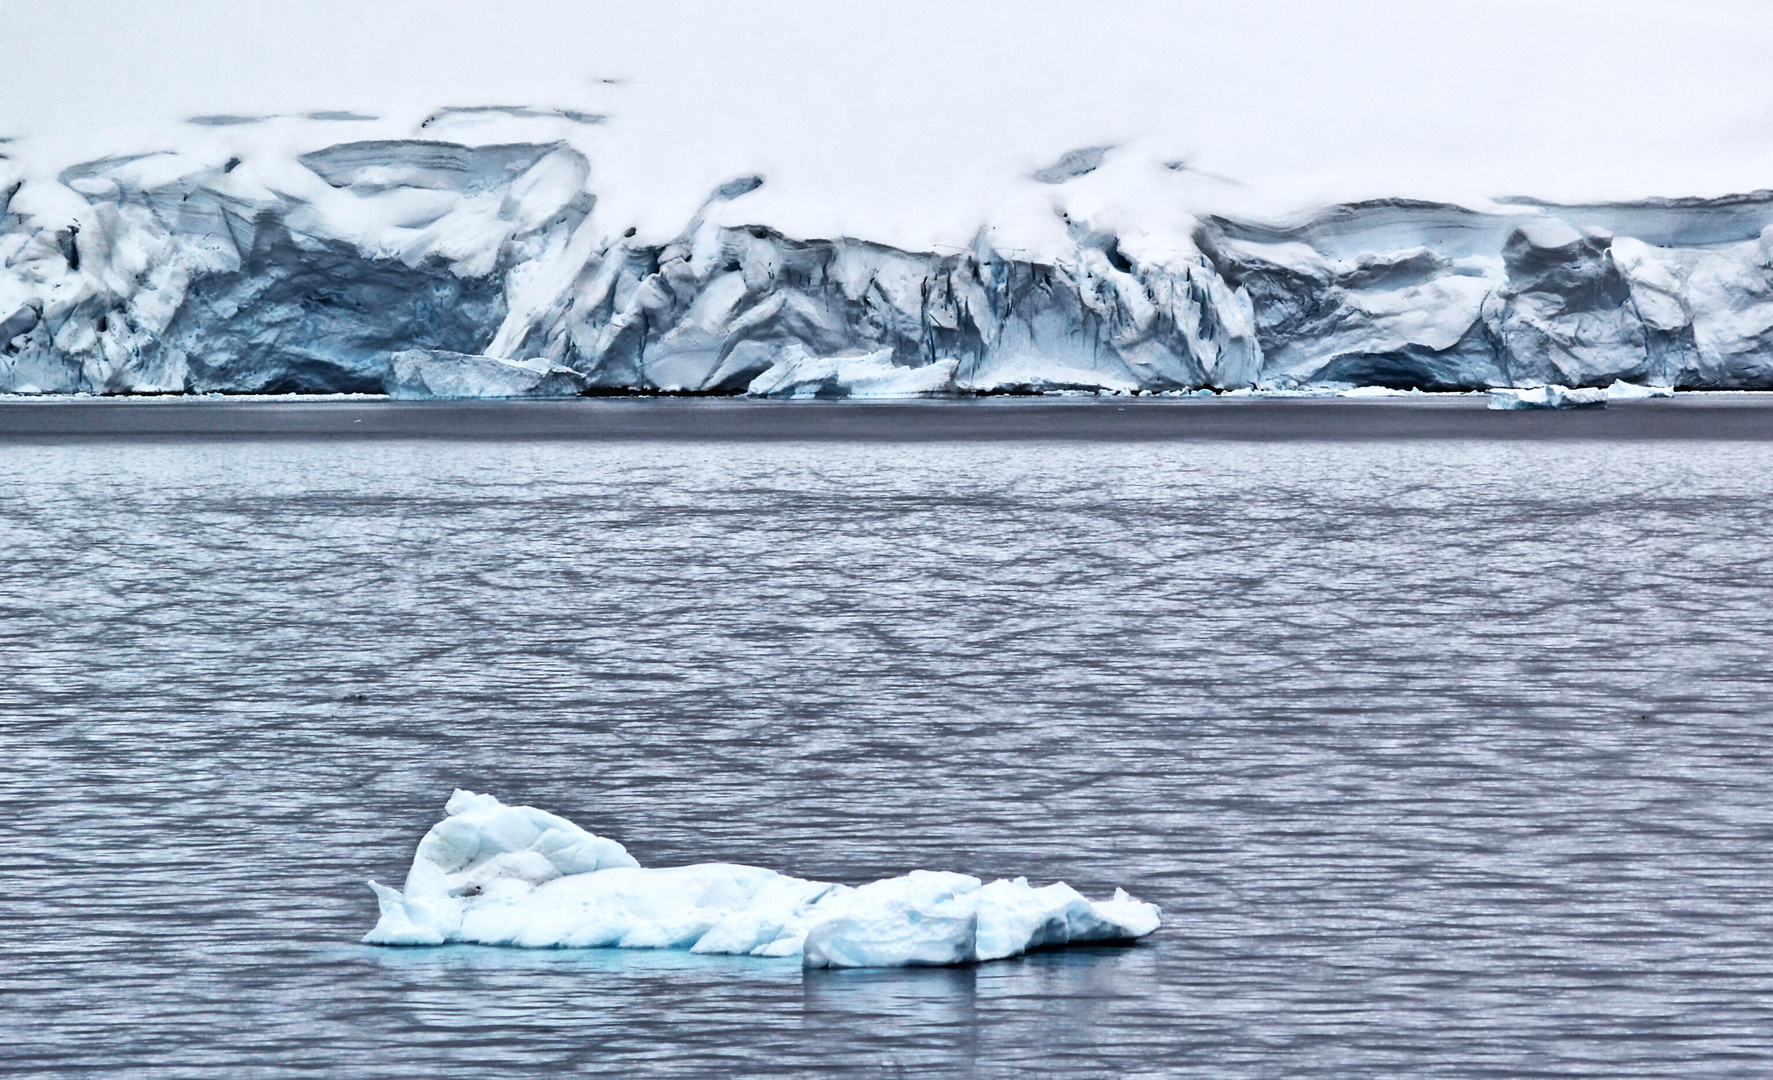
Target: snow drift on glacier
{"points": [[493, 874]]}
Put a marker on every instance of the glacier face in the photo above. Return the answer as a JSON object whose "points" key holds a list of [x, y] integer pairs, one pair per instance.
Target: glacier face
{"points": [[435, 269], [493, 874], [1440, 297]]}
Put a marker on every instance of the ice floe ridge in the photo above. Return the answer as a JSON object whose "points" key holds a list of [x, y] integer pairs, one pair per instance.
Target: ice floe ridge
{"points": [[493, 874], [436, 269]]}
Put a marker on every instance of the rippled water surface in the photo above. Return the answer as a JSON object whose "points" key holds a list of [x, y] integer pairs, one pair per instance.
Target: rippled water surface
{"points": [[1444, 757]]}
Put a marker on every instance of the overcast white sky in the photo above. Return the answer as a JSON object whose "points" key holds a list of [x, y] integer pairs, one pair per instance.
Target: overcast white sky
{"points": [[1560, 98]]}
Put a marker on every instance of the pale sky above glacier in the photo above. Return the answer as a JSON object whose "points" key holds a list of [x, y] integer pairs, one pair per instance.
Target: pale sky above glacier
{"points": [[918, 109]]}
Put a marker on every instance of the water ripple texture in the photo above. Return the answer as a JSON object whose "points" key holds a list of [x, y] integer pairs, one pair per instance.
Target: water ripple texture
{"points": [[1444, 758]]}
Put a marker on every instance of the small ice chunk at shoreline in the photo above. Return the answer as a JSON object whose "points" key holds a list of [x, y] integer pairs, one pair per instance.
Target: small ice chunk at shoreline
{"points": [[493, 874], [1376, 391], [1624, 391], [434, 374], [799, 374], [1548, 397]]}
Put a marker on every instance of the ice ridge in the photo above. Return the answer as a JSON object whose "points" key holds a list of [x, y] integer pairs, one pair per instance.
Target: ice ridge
{"points": [[427, 268], [493, 874]]}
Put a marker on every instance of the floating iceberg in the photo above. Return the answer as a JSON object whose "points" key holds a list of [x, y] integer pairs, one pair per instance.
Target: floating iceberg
{"points": [[1625, 391], [426, 374], [1548, 397], [493, 874], [796, 374]]}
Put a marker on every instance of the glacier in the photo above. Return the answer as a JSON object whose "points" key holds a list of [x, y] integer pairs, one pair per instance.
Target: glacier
{"points": [[429, 268], [493, 874]]}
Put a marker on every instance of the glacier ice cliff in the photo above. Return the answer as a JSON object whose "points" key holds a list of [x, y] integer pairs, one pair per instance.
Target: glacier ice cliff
{"points": [[434, 269], [1441, 297], [493, 874]]}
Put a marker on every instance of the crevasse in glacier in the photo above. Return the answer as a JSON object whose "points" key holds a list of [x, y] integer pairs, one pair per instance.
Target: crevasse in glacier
{"points": [[435, 269], [493, 874]]}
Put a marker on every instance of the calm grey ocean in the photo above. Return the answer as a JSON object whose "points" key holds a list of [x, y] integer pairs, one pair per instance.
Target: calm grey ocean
{"points": [[1443, 738]]}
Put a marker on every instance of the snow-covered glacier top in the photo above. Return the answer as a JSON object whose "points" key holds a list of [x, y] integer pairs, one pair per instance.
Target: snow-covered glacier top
{"points": [[796, 200], [493, 874], [909, 124]]}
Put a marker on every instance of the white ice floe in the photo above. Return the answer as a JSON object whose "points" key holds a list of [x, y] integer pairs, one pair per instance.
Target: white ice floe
{"points": [[1548, 397], [1376, 392], [1625, 391], [428, 374], [798, 374], [493, 874]]}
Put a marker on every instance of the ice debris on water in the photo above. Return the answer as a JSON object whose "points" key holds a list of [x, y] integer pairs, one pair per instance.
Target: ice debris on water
{"points": [[424, 374], [797, 374], [1625, 391], [1548, 397], [493, 874]]}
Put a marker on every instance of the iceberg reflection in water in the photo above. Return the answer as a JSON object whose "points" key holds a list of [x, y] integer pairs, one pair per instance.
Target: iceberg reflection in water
{"points": [[493, 874], [877, 1020]]}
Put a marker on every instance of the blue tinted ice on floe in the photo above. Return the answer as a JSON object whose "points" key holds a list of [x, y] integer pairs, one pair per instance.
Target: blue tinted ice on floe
{"points": [[431, 374], [493, 874]]}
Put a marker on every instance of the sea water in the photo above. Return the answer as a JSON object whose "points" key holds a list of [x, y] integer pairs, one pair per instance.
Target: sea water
{"points": [[1446, 748]]}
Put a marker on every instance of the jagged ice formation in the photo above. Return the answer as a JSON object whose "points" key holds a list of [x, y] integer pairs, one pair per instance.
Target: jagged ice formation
{"points": [[430, 268]]}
